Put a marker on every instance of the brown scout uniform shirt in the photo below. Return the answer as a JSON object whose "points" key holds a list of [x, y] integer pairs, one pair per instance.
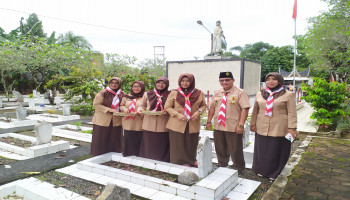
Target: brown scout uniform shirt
{"points": [[101, 116], [173, 107], [284, 115], [237, 99], [130, 124], [153, 123]]}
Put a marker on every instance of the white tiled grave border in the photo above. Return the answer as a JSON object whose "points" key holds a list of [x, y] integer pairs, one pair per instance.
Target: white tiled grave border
{"points": [[17, 123], [34, 189], [61, 132], [215, 186], [153, 188], [34, 151], [53, 117]]}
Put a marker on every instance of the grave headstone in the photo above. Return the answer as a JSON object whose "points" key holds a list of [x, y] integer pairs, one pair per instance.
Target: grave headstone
{"points": [[204, 157], [58, 100], [43, 132], [21, 113], [34, 93], [50, 92], [18, 96], [46, 95], [188, 178], [31, 103], [38, 94], [112, 192], [66, 109], [246, 134]]}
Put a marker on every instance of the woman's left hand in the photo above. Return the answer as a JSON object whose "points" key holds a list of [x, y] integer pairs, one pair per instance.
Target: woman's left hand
{"points": [[294, 132], [164, 112], [195, 115]]}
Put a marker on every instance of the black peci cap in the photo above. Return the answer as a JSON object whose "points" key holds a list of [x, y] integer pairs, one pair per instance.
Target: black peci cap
{"points": [[226, 75]]}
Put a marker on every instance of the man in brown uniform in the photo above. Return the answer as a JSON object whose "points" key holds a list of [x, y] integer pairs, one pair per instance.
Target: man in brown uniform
{"points": [[229, 106]]}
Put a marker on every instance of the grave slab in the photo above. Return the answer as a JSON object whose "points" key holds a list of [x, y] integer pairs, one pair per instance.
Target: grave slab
{"points": [[214, 186], [33, 151], [34, 189], [53, 117]]}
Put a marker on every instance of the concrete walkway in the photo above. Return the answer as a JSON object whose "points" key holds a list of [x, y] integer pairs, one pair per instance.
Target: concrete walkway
{"points": [[305, 124], [322, 173]]}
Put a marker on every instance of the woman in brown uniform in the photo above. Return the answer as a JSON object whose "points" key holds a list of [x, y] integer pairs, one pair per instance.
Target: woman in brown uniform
{"points": [[184, 106], [155, 138], [274, 115], [132, 125], [107, 130]]}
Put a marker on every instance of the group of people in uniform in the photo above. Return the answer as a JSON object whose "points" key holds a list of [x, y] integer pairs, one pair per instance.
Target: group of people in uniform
{"points": [[173, 134]]}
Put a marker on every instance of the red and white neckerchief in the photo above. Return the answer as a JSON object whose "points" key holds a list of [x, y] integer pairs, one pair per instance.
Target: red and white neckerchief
{"points": [[222, 112], [115, 101], [159, 102], [132, 108], [269, 101], [187, 112]]}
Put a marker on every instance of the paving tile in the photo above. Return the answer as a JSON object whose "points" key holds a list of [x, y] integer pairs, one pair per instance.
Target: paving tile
{"points": [[103, 180], [247, 186], [237, 195], [145, 192], [180, 198], [161, 196], [132, 187]]}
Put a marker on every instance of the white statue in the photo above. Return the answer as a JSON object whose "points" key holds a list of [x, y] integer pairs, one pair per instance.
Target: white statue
{"points": [[218, 33]]}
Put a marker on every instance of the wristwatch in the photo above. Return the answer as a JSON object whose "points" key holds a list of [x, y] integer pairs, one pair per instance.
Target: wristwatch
{"points": [[241, 126]]}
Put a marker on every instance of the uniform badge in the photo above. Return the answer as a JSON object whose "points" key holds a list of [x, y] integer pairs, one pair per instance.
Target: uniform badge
{"points": [[232, 101]]}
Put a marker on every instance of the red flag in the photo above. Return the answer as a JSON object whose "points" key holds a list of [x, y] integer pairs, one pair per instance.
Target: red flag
{"points": [[295, 10]]}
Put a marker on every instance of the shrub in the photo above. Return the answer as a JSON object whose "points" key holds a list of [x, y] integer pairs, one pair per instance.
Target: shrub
{"points": [[327, 100]]}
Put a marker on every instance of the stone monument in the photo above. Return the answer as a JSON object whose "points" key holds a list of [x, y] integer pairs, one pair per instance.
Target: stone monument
{"points": [[204, 157], [217, 35], [66, 109], [112, 192], [188, 178], [18, 95], [21, 113], [43, 132], [246, 134]]}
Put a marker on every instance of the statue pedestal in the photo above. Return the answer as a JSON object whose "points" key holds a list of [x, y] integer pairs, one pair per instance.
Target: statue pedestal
{"points": [[214, 57]]}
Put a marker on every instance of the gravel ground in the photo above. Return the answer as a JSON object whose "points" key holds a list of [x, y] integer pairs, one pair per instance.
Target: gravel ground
{"points": [[92, 190]]}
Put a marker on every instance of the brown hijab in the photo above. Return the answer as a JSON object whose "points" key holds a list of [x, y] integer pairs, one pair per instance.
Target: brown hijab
{"points": [[138, 95], [280, 79], [108, 97], [152, 97], [195, 95]]}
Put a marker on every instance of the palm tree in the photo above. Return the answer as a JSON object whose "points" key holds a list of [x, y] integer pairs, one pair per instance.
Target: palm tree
{"points": [[76, 41]]}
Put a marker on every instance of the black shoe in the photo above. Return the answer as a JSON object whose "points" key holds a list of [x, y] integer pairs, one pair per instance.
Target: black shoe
{"points": [[240, 172]]}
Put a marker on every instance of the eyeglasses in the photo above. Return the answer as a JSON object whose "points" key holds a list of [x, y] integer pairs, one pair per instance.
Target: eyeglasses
{"points": [[225, 80], [116, 83]]}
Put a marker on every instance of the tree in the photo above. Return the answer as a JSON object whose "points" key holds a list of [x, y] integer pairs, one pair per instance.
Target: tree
{"points": [[11, 58], [327, 100], [82, 84], [253, 51], [75, 41], [328, 38], [33, 27], [277, 57], [154, 67]]}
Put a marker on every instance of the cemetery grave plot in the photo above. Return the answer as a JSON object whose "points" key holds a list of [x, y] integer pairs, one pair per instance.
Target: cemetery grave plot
{"points": [[20, 153], [57, 137], [35, 189], [214, 186]]}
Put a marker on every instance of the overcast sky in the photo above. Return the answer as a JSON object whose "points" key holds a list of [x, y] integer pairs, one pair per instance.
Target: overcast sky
{"points": [[134, 27]]}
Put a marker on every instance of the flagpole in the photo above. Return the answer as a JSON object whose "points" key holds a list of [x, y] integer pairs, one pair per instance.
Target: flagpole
{"points": [[295, 52], [295, 41]]}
